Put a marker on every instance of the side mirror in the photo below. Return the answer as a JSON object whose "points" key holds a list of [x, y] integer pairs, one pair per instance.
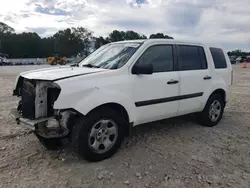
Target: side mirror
{"points": [[142, 69]]}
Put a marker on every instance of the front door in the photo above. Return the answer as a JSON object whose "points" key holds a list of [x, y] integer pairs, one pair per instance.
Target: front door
{"points": [[155, 95]]}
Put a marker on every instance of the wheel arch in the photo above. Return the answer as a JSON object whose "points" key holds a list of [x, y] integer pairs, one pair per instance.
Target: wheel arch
{"points": [[118, 108], [218, 90], [221, 92]]}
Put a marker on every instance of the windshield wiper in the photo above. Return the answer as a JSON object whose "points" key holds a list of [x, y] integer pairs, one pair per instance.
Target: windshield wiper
{"points": [[91, 66]]}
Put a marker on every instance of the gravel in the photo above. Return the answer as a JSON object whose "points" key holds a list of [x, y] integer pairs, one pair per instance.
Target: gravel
{"points": [[171, 153]]}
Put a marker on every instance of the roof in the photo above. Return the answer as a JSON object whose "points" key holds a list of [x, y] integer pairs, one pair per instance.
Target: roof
{"points": [[131, 41], [172, 41]]}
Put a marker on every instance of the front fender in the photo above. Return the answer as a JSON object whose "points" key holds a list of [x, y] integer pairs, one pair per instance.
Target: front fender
{"points": [[93, 98]]}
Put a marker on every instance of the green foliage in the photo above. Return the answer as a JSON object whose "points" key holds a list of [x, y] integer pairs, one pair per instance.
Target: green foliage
{"points": [[21, 45], [68, 42], [160, 36], [4, 28], [99, 41], [127, 35], [238, 53]]}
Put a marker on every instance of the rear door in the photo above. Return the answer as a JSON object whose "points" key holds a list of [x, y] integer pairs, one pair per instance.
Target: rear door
{"points": [[195, 77]]}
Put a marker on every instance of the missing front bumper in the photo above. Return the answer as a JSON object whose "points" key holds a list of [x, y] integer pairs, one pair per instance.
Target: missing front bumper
{"points": [[39, 126], [30, 124]]}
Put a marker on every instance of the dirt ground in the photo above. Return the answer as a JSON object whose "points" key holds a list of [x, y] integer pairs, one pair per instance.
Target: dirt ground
{"points": [[169, 154]]}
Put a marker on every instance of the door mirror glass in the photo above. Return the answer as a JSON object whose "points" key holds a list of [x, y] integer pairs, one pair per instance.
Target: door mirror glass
{"points": [[142, 69]]}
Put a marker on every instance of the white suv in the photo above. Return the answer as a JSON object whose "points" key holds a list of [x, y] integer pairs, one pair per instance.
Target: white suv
{"points": [[96, 102]]}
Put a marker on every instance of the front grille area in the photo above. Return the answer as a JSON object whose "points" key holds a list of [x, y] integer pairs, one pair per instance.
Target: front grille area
{"points": [[28, 99], [52, 95]]}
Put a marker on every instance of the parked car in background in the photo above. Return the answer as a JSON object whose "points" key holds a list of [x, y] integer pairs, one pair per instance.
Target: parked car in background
{"points": [[232, 59], [4, 61], [248, 58], [121, 85], [17, 63], [241, 59], [1, 62]]}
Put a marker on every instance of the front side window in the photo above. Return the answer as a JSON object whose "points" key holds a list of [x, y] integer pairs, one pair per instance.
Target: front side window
{"points": [[160, 56], [192, 58], [111, 56], [219, 58]]}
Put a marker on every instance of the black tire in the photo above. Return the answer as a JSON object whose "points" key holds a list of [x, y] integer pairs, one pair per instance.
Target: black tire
{"points": [[203, 117], [50, 143], [81, 133]]}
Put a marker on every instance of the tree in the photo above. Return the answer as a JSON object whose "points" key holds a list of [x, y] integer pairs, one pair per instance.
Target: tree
{"points": [[86, 37], [125, 35], [68, 42], [72, 41], [33, 49], [47, 46], [131, 35], [160, 35], [99, 41], [4, 28], [238, 52], [117, 36], [22, 45]]}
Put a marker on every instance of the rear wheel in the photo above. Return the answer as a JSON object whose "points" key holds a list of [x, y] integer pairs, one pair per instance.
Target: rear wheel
{"points": [[99, 135], [213, 111]]}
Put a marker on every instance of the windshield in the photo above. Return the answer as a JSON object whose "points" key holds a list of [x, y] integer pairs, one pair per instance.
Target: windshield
{"points": [[111, 56]]}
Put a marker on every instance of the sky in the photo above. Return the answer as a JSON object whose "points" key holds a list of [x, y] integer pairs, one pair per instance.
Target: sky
{"points": [[226, 22]]}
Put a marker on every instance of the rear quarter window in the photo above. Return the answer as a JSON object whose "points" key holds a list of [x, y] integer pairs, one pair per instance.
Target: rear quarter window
{"points": [[218, 58]]}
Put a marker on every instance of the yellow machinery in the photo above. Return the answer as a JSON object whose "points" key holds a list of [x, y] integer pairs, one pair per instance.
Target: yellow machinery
{"points": [[56, 59]]}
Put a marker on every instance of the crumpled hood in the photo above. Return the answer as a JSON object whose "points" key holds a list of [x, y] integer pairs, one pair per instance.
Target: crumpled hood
{"points": [[58, 73]]}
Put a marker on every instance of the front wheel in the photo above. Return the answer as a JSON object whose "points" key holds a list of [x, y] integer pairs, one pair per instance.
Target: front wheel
{"points": [[98, 135], [213, 111]]}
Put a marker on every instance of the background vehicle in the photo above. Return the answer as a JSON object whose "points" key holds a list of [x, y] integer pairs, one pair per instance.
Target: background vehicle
{"points": [[233, 59], [241, 59], [1, 61], [4, 60], [248, 58], [56, 59], [122, 85]]}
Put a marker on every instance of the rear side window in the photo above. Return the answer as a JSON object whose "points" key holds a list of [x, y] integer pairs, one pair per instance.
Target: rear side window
{"points": [[219, 58], [160, 56], [192, 57]]}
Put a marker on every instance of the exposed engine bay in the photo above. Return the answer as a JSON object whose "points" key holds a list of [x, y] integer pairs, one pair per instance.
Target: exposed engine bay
{"points": [[36, 103], [37, 97]]}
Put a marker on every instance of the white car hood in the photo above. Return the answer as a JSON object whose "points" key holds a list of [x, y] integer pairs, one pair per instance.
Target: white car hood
{"points": [[60, 72]]}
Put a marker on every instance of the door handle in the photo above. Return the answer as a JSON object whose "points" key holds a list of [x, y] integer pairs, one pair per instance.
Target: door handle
{"points": [[173, 82], [207, 78]]}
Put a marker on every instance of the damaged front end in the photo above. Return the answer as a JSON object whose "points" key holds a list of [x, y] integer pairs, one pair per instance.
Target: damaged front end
{"points": [[35, 108]]}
